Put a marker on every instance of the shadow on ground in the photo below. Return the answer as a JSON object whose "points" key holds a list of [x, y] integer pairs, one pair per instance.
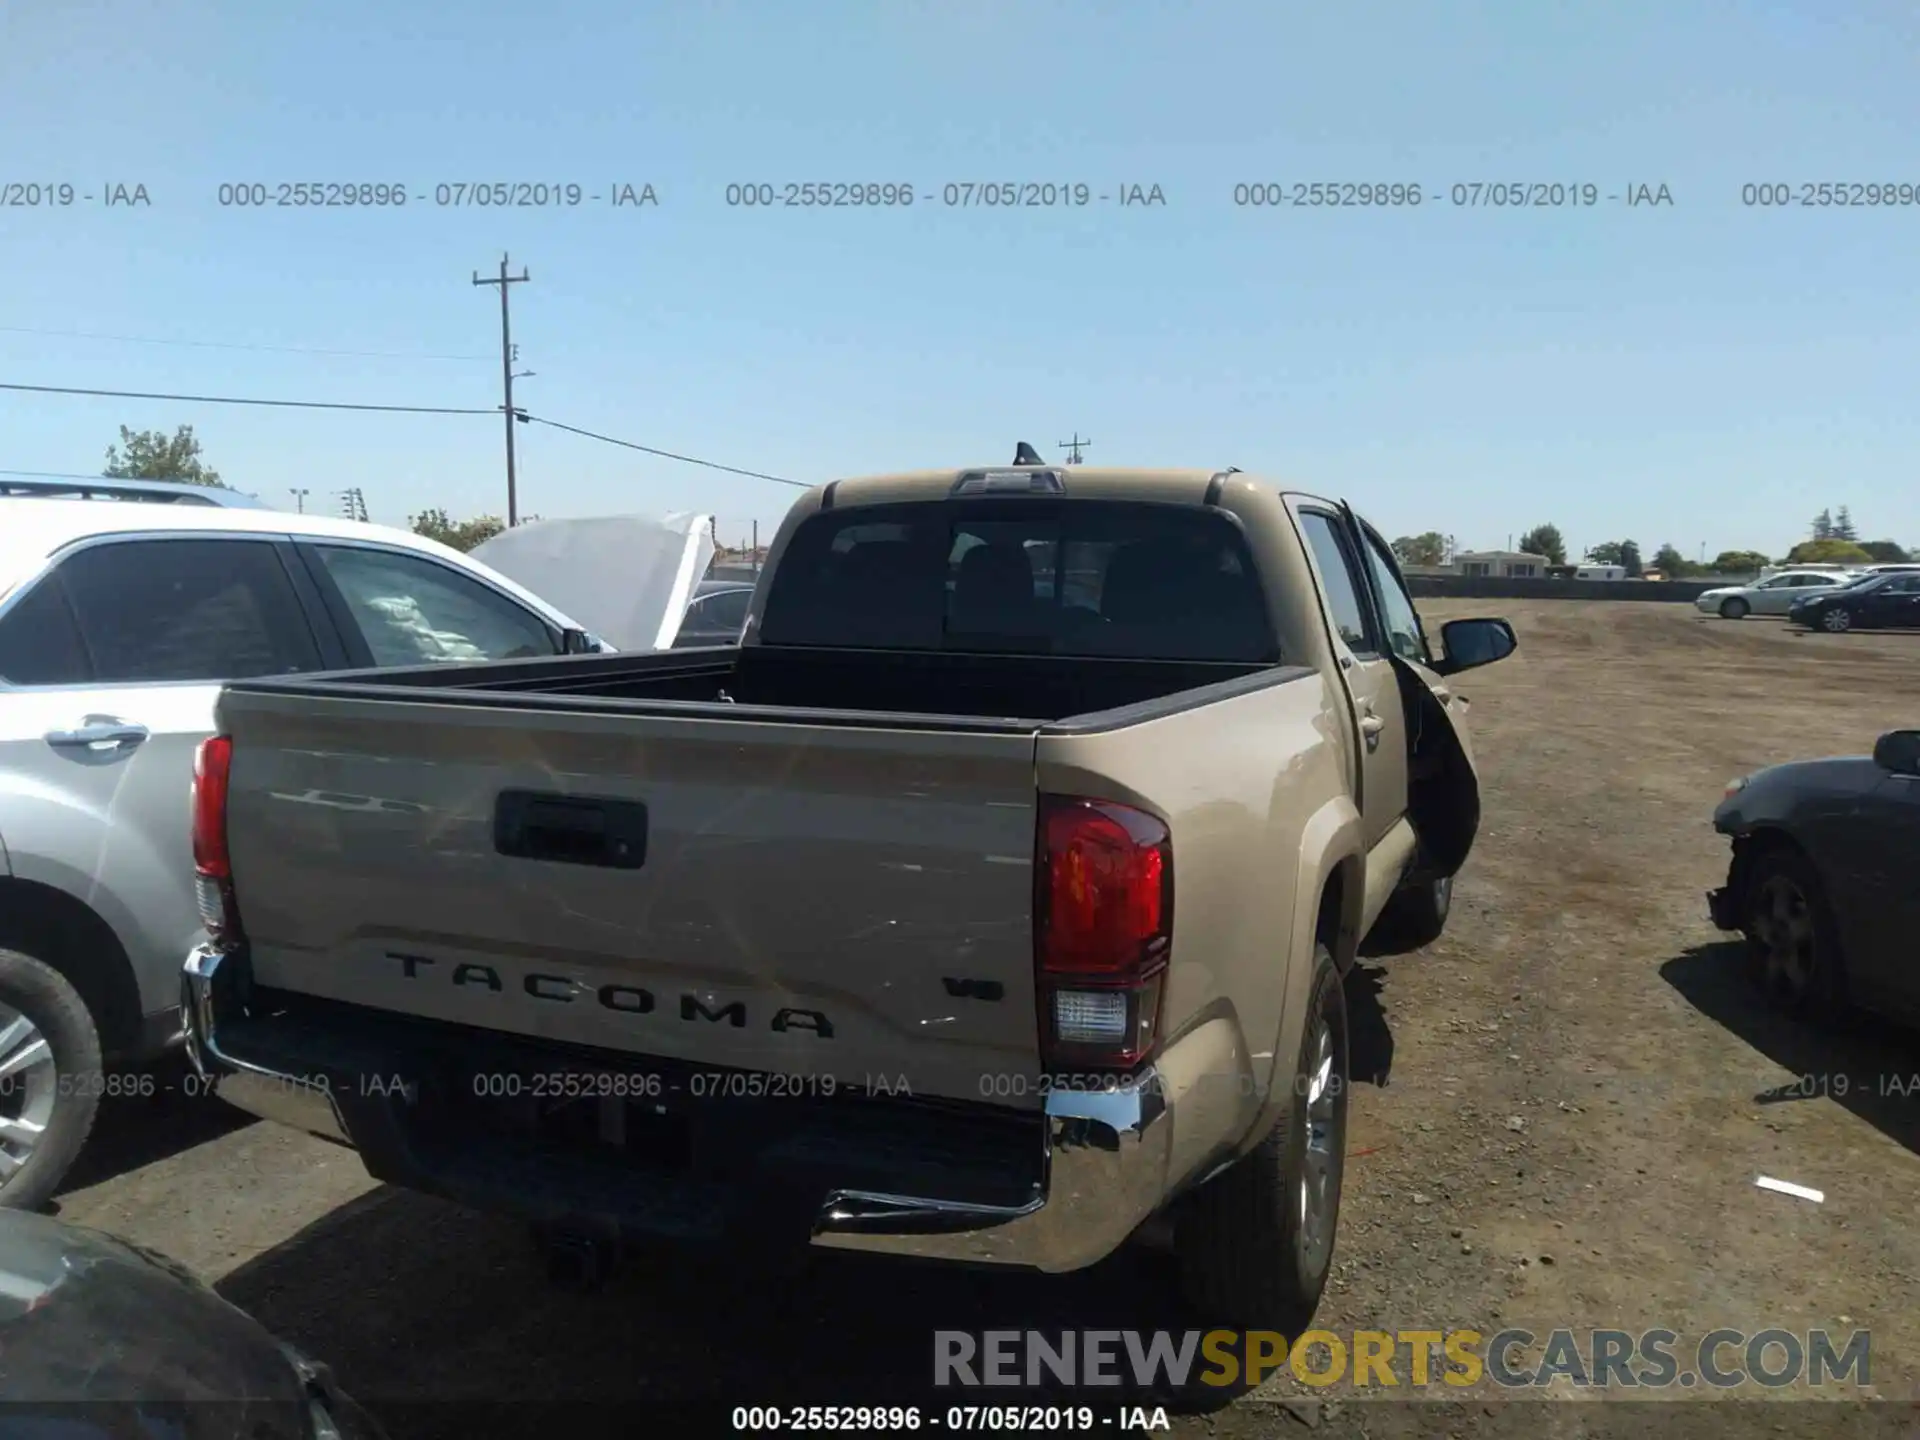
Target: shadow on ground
{"points": [[1369, 1037], [134, 1129], [1868, 1066], [412, 1300]]}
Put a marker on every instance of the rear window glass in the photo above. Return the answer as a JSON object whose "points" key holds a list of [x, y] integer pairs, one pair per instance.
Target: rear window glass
{"points": [[1097, 578]]}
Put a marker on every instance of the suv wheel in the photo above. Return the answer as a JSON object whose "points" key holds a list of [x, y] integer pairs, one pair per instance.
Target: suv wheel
{"points": [[1734, 608], [1793, 947], [1255, 1243], [1414, 916], [49, 1057]]}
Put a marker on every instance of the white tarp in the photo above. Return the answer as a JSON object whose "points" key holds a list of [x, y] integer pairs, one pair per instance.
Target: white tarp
{"points": [[625, 578]]}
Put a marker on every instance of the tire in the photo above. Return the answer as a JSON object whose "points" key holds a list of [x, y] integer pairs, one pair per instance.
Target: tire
{"points": [[1793, 945], [1836, 621], [1254, 1245], [1414, 916], [49, 1052], [1734, 608]]}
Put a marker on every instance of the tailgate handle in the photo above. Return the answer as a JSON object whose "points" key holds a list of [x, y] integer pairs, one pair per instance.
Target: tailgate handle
{"points": [[571, 829]]}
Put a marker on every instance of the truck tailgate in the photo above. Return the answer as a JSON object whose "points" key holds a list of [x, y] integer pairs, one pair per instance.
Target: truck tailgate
{"points": [[797, 898]]}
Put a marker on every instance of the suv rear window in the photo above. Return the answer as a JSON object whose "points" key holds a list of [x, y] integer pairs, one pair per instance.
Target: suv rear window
{"points": [[1078, 577]]}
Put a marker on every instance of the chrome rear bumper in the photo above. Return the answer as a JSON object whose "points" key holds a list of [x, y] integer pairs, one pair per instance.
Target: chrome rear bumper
{"points": [[302, 1103], [1112, 1157]]}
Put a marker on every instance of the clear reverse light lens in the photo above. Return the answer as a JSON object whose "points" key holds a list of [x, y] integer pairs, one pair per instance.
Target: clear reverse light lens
{"points": [[1083, 1017]]}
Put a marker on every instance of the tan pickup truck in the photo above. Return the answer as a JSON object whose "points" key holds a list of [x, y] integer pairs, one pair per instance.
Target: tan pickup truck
{"points": [[988, 901]]}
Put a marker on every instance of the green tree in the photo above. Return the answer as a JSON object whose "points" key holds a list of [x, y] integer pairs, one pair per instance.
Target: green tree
{"points": [[1885, 552], [1630, 559], [1671, 563], [1738, 562], [155, 455], [1545, 540], [1828, 552], [1843, 526], [1427, 549], [1607, 552], [1823, 525], [435, 524]]}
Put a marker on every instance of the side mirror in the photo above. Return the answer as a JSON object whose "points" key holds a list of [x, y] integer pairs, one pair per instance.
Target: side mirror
{"points": [[578, 642], [1898, 751], [1471, 643]]}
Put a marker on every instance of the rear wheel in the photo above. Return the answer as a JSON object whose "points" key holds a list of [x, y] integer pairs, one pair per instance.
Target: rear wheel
{"points": [[1734, 608], [1837, 621], [49, 1058], [1793, 946], [1255, 1243]]}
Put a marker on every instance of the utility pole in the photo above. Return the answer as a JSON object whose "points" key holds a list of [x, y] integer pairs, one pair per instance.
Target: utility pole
{"points": [[1072, 447], [507, 357], [299, 498], [353, 505]]}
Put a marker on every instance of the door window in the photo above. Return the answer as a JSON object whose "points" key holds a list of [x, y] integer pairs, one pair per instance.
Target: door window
{"points": [[1401, 619], [725, 611], [40, 639], [179, 609], [1339, 578], [414, 611]]}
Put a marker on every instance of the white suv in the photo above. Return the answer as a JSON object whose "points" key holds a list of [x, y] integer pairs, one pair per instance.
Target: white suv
{"points": [[118, 622]]}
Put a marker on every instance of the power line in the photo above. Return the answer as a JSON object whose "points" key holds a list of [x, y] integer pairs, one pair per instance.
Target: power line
{"points": [[521, 415], [664, 454], [225, 345], [233, 400]]}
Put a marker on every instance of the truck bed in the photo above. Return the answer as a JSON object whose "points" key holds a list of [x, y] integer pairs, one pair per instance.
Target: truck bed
{"points": [[686, 856], [875, 684]]}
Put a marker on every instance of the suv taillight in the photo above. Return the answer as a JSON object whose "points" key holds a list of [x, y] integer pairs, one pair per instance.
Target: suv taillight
{"points": [[212, 865], [1103, 924]]}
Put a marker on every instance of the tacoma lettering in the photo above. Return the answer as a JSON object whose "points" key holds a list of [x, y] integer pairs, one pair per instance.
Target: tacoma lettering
{"points": [[626, 999]]}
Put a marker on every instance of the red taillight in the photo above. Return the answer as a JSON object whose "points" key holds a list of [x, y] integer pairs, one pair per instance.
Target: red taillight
{"points": [[210, 766], [1103, 923], [212, 864]]}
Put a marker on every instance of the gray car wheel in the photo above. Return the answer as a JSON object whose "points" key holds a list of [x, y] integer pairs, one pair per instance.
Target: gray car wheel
{"points": [[49, 1061], [1734, 608], [1837, 621]]}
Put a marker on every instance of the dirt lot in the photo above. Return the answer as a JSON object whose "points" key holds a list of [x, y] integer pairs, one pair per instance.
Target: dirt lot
{"points": [[1568, 1099]]}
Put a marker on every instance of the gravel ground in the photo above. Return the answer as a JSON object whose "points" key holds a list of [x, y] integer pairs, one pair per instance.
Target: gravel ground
{"points": [[1563, 1106]]}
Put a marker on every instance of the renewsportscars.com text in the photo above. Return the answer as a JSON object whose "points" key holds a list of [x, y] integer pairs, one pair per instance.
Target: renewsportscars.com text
{"points": [[1386, 1359]]}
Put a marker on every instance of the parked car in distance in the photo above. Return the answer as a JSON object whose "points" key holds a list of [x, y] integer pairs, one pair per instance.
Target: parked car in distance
{"points": [[1822, 878], [716, 615], [101, 1339], [1773, 596], [1886, 601], [991, 899], [117, 624]]}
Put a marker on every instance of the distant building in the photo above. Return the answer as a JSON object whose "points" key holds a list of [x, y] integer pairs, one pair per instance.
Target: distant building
{"points": [[1501, 564]]}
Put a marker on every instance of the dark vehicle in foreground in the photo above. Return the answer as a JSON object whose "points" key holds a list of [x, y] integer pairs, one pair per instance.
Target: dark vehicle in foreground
{"points": [[1889, 600], [1825, 853], [716, 615], [99, 1338]]}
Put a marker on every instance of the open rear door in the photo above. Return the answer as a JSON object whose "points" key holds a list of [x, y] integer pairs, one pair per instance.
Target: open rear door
{"points": [[626, 578]]}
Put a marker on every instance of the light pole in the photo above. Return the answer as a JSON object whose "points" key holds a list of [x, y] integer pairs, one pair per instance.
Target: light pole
{"points": [[299, 494]]}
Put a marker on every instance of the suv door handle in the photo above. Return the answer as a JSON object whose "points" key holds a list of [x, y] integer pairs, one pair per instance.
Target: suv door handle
{"points": [[1370, 727], [99, 731]]}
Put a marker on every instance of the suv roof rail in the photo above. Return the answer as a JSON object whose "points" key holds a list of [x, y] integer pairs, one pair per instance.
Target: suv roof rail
{"points": [[161, 492]]}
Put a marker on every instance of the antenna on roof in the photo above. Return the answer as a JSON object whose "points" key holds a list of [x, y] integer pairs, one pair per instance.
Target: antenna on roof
{"points": [[1233, 470], [1025, 454]]}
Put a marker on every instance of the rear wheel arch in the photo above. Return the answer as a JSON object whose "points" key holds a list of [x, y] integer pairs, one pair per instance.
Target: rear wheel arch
{"points": [[69, 936]]}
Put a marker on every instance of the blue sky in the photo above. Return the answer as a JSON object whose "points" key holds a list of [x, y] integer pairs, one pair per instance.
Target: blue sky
{"points": [[1704, 373]]}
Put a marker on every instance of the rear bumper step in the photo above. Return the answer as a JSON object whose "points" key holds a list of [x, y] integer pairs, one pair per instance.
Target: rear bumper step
{"points": [[1054, 1191]]}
